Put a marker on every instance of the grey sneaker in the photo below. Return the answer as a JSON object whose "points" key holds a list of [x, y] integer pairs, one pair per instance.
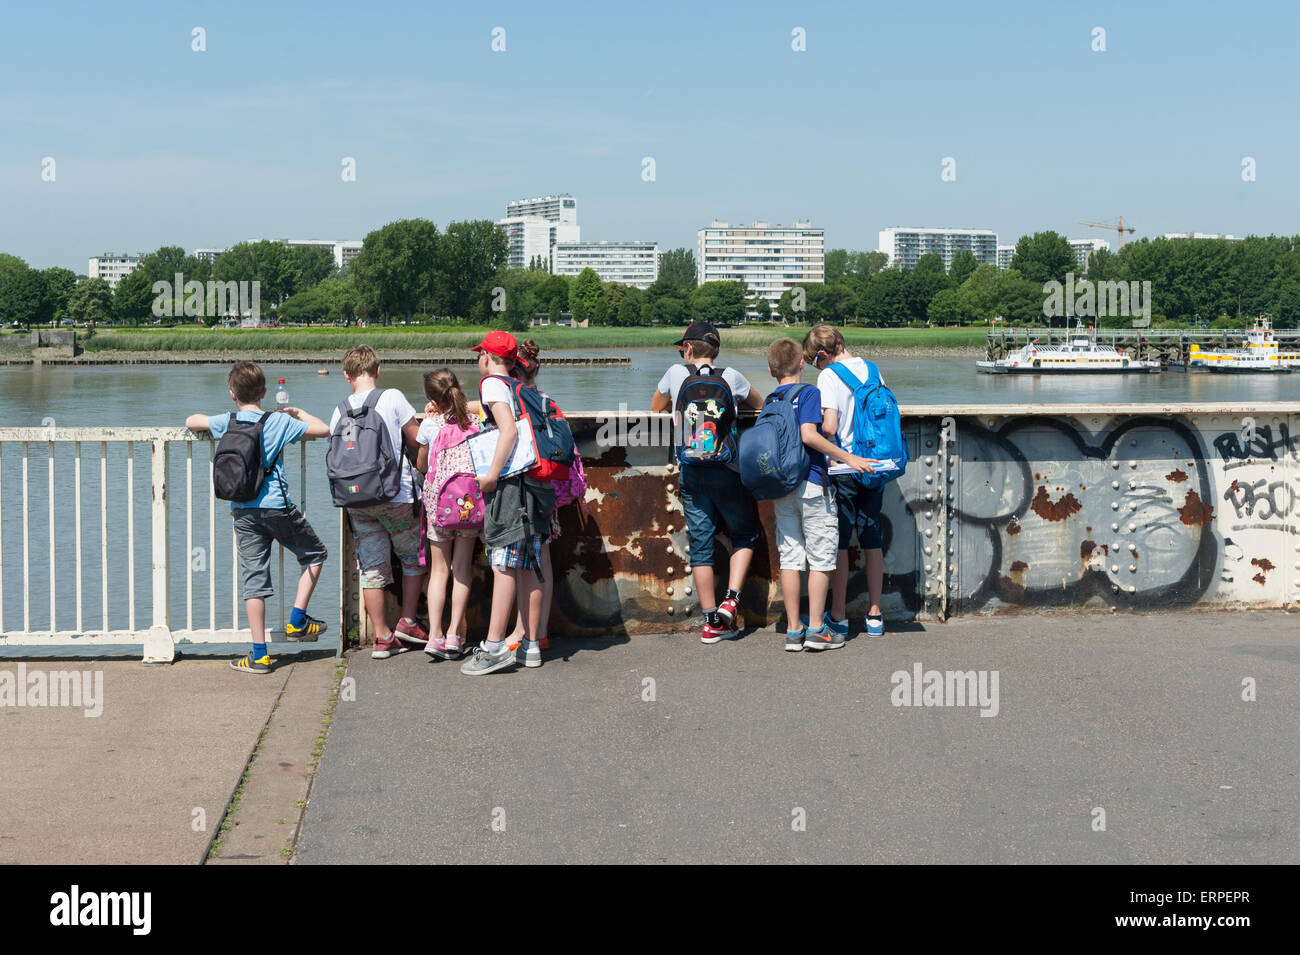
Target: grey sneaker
{"points": [[531, 651], [794, 639], [824, 639], [483, 661]]}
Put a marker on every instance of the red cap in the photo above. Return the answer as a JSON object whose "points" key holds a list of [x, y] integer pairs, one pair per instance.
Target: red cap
{"points": [[501, 344]]}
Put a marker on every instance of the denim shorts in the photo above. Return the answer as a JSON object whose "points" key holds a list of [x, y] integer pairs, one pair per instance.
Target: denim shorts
{"points": [[858, 507], [256, 529], [709, 493]]}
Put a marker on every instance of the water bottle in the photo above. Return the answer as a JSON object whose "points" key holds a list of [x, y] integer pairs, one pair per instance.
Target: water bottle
{"points": [[281, 395]]}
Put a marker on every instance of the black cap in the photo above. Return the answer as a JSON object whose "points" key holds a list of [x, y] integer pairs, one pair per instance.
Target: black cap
{"points": [[700, 332]]}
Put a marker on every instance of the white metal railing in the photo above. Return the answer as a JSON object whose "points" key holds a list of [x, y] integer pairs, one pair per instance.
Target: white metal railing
{"points": [[158, 617]]}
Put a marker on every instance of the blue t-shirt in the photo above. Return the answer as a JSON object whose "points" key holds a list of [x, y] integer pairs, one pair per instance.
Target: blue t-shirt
{"points": [[808, 404], [280, 430]]}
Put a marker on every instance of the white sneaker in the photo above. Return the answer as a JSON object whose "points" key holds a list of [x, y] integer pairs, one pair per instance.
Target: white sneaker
{"points": [[532, 653]]}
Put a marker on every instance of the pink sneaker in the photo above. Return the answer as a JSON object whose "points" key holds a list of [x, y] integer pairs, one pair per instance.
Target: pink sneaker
{"points": [[408, 630], [437, 647], [390, 646], [453, 646]]}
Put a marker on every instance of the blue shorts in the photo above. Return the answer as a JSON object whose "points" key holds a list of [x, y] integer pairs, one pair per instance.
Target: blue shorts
{"points": [[710, 492], [858, 510]]}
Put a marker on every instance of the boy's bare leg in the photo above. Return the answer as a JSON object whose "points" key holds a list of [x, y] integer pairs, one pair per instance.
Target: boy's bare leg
{"points": [[530, 600], [437, 596], [504, 585], [411, 587], [875, 579], [740, 560], [255, 607], [306, 585], [818, 582], [377, 610], [840, 586], [790, 581], [548, 591], [703, 575]]}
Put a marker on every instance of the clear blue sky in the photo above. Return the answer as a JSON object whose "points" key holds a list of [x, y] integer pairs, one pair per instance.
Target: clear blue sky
{"points": [[156, 144]]}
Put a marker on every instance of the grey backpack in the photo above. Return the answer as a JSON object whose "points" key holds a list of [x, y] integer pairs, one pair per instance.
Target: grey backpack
{"points": [[361, 465]]}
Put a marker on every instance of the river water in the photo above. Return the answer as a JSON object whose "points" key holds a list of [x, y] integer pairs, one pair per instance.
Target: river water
{"points": [[162, 395]]}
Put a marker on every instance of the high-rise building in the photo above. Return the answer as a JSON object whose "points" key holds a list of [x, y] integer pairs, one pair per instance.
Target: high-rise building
{"points": [[209, 256], [561, 208], [112, 267], [527, 238], [768, 259], [1083, 249], [906, 246], [631, 263], [1203, 235], [344, 251], [1005, 254]]}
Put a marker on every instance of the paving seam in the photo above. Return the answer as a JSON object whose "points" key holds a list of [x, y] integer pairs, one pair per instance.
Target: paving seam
{"points": [[339, 674]]}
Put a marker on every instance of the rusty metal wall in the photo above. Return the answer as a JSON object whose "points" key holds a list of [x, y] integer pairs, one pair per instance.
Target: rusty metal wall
{"points": [[1003, 509]]}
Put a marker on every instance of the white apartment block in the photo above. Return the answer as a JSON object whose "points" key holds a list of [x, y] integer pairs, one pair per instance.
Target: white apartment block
{"points": [[561, 208], [1005, 254], [906, 246], [344, 252], [527, 238], [112, 267], [1083, 249], [209, 256], [1203, 235], [768, 259], [631, 263]]}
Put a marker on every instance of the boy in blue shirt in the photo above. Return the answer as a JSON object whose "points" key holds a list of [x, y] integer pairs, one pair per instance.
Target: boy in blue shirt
{"points": [[807, 523], [270, 516]]}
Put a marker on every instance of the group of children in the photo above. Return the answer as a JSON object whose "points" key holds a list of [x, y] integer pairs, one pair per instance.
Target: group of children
{"points": [[432, 529], [815, 522]]}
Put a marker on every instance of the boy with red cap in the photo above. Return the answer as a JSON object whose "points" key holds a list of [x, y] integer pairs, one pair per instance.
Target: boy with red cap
{"points": [[517, 513]]}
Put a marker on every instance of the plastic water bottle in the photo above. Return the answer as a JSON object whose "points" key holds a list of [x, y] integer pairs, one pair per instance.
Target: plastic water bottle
{"points": [[281, 395]]}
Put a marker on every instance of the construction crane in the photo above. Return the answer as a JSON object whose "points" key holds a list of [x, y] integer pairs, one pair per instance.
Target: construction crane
{"points": [[1121, 228]]}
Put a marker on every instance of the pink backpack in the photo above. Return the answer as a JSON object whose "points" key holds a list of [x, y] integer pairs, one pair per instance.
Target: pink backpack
{"points": [[573, 487], [453, 489]]}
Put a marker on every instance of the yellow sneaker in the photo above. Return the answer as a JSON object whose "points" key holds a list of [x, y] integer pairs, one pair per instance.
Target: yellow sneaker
{"points": [[248, 665], [306, 633]]}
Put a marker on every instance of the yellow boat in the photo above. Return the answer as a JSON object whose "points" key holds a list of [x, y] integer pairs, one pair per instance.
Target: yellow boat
{"points": [[1260, 353]]}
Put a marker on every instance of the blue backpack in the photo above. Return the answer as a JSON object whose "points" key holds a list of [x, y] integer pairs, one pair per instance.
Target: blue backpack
{"points": [[773, 459], [877, 424]]}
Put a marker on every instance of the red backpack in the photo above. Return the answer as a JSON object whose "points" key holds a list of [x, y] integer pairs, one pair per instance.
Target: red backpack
{"points": [[551, 434]]}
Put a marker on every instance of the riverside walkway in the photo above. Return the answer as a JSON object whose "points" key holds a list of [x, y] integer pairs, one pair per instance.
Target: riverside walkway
{"points": [[746, 753]]}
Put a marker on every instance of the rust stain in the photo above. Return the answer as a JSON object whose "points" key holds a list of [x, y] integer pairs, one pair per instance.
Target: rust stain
{"points": [[1019, 567], [1050, 510], [1177, 475], [1195, 511], [1259, 579], [1234, 487], [1263, 563], [1013, 528], [1010, 585], [1086, 548]]}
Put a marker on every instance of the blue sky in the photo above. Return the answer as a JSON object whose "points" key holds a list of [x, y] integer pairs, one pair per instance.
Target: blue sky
{"points": [[157, 144]]}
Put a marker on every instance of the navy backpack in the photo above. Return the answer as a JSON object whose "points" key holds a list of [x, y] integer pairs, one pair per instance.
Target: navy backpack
{"points": [[773, 459]]}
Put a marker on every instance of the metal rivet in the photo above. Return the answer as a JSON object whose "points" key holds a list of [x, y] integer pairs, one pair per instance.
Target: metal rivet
{"points": [[1115, 464], [1114, 568], [670, 590], [1132, 485], [929, 532], [1133, 548], [929, 479], [670, 549], [929, 550], [952, 550], [929, 515], [1133, 464], [1133, 443], [929, 461], [1132, 590], [1132, 568], [687, 590], [1132, 507], [1114, 527], [670, 609], [669, 486], [1114, 485], [929, 495], [1114, 505], [929, 444], [928, 568], [1132, 528]]}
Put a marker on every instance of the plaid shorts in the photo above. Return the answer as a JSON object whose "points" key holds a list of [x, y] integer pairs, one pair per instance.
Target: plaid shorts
{"points": [[515, 556]]}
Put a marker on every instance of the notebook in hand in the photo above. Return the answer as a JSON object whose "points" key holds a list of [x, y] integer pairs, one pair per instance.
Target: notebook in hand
{"points": [[483, 446], [884, 464]]}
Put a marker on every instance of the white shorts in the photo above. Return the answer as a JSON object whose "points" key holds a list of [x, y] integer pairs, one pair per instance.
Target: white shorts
{"points": [[807, 528]]}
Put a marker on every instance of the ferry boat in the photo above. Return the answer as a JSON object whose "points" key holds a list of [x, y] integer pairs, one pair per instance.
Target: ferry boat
{"points": [[1079, 356], [1260, 354]]}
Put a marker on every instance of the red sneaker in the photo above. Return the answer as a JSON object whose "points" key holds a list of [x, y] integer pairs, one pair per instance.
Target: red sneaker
{"points": [[714, 634], [727, 613], [390, 646], [408, 630]]}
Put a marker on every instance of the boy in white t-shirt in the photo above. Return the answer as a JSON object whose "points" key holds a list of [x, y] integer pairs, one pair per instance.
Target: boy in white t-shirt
{"points": [[858, 506], [393, 524], [516, 517]]}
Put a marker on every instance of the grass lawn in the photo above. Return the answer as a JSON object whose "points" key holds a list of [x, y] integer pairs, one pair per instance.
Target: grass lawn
{"points": [[457, 338]]}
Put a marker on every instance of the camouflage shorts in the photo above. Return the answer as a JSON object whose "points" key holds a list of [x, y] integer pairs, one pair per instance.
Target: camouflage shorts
{"points": [[380, 528]]}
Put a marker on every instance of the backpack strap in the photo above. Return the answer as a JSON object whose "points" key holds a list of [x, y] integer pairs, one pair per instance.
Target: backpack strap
{"points": [[846, 376], [260, 424], [788, 395]]}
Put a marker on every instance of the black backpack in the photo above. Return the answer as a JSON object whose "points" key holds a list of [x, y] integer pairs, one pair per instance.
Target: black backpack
{"points": [[706, 413], [238, 469], [360, 462]]}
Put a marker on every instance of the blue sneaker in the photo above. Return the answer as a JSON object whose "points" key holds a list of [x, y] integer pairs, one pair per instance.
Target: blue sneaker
{"points": [[839, 626], [823, 639], [875, 626], [794, 639]]}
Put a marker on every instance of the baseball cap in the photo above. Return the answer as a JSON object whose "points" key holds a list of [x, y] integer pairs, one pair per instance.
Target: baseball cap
{"points": [[700, 332], [501, 344]]}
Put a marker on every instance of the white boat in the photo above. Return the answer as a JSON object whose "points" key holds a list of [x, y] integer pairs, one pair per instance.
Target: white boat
{"points": [[1079, 356], [1259, 353]]}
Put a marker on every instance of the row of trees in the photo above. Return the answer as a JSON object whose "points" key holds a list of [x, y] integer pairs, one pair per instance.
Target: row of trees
{"points": [[410, 269]]}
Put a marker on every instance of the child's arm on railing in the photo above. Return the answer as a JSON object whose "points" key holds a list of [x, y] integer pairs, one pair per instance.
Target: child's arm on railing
{"points": [[197, 422], [316, 428]]}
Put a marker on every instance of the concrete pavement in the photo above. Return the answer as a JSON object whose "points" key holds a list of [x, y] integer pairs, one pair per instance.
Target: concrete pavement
{"points": [[1118, 738]]}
